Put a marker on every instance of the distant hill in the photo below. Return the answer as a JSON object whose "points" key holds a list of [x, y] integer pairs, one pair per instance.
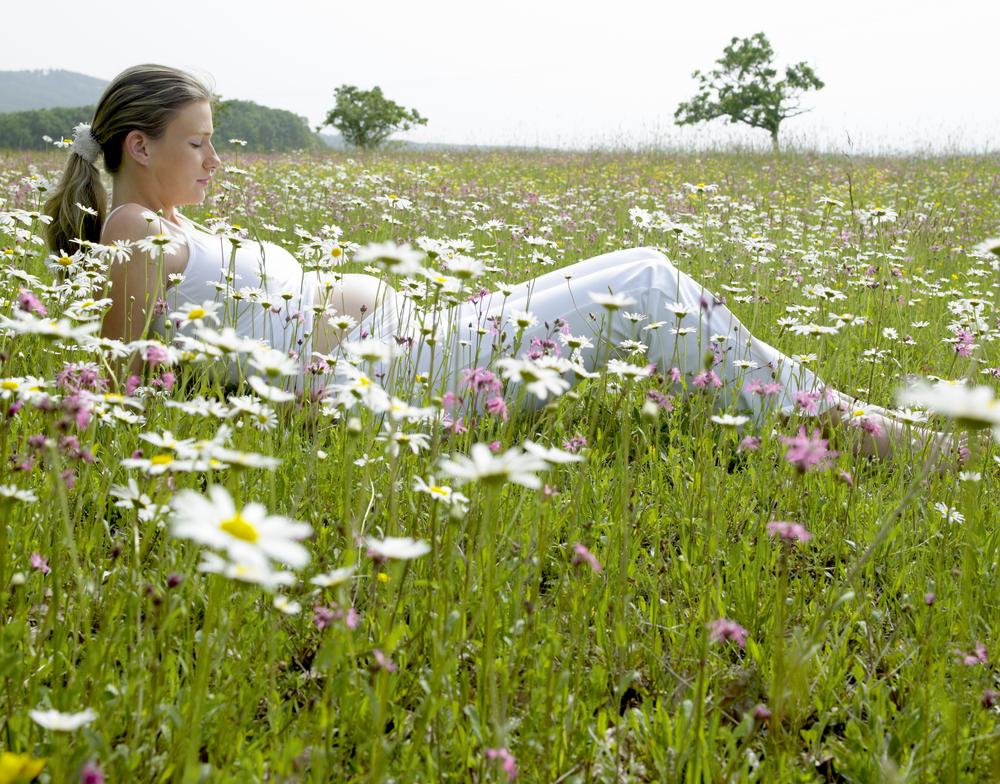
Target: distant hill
{"points": [[24, 90]]}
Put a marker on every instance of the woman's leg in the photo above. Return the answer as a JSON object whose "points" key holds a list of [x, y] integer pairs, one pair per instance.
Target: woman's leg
{"points": [[674, 340], [357, 296], [889, 435]]}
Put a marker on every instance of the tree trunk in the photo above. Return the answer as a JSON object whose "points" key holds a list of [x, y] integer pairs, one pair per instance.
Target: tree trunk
{"points": [[774, 141]]}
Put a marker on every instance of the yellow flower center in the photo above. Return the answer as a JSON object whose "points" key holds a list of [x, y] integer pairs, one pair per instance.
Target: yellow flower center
{"points": [[8, 385], [240, 528], [197, 313], [64, 261], [439, 490], [336, 252], [162, 459]]}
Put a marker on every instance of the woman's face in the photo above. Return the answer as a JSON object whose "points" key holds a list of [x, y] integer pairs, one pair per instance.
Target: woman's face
{"points": [[183, 160]]}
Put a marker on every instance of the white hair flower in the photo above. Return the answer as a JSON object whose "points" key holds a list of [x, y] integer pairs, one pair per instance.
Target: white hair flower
{"points": [[84, 143]]}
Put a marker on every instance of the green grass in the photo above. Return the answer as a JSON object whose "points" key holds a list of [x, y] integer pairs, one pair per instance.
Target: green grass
{"points": [[498, 639]]}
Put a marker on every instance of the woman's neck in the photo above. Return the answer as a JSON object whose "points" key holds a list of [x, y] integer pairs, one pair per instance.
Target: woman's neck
{"points": [[127, 191]]}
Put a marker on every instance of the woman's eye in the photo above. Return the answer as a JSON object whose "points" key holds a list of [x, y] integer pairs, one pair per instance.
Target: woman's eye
{"points": [[195, 145]]}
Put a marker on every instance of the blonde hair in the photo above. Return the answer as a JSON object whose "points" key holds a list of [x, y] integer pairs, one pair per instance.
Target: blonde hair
{"points": [[142, 98]]}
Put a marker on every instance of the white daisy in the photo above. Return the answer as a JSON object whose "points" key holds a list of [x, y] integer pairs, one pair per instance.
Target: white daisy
{"points": [[249, 535]]}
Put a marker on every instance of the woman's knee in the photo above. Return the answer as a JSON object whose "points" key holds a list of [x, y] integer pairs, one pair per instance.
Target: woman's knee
{"points": [[359, 295]]}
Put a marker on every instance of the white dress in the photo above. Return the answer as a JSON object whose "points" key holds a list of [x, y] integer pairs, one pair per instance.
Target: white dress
{"points": [[642, 274]]}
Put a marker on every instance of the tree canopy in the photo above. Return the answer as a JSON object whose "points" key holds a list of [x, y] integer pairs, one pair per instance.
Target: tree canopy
{"points": [[366, 118], [745, 88], [264, 129]]}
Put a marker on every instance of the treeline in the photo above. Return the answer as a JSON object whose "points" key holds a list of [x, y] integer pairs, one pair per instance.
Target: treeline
{"points": [[24, 130], [264, 129]]}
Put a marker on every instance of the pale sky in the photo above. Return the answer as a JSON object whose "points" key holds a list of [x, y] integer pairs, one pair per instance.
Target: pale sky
{"points": [[900, 74]]}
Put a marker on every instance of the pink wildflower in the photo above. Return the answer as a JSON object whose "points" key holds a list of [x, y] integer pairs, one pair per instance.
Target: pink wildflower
{"points": [[91, 774], [383, 661], [749, 444], [80, 376], [661, 400], [496, 406], [870, 426], [322, 616], [37, 562], [970, 658], [760, 713], [507, 761], [575, 444], [806, 453], [788, 532], [155, 355], [27, 301], [480, 379], [808, 402], [723, 629], [583, 555]]}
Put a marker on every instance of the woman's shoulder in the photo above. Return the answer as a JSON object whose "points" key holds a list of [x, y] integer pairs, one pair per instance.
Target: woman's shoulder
{"points": [[131, 222]]}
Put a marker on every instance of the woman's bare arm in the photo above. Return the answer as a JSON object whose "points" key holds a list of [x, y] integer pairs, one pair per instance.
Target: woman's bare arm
{"points": [[134, 285]]}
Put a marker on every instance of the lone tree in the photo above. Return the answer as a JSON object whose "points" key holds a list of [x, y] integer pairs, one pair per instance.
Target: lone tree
{"points": [[366, 118], [744, 89]]}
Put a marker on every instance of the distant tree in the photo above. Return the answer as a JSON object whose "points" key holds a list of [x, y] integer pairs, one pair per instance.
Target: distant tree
{"points": [[744, 88], [366, 118]]}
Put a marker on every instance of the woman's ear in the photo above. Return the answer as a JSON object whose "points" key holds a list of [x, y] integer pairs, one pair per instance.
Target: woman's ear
{"points": [[136, 147]]}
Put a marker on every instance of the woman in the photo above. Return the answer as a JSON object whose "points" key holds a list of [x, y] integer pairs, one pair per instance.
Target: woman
{"points": [[153, 128]]}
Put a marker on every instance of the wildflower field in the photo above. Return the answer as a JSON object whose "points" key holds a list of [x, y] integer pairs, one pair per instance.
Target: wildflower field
{"points": [[324, 573]]}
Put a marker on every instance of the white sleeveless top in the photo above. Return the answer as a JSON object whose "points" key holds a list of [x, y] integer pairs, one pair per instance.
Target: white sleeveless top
{"points": [[256, 275]]}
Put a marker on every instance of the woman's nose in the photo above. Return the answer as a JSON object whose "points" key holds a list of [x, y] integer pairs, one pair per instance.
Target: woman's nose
{"points": [[214, 161]]}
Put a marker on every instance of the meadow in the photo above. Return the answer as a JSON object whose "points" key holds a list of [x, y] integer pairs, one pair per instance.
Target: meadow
{"points": [[245, 584]]}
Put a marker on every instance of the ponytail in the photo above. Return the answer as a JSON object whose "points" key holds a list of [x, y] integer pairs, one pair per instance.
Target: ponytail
{"points": [[80, 184], [142, 98]]}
